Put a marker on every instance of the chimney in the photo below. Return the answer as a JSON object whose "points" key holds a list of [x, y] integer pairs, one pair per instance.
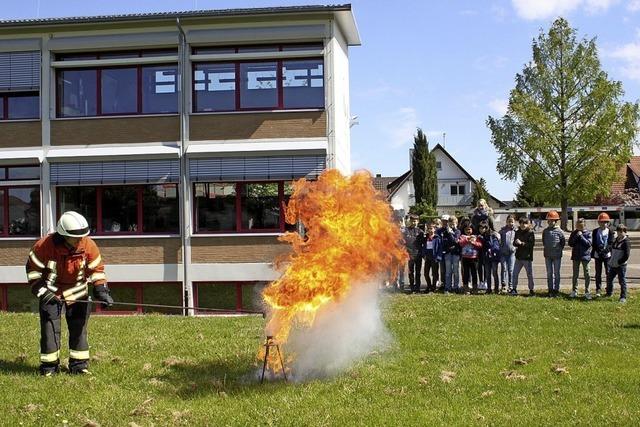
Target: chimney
{"points": [[378, 175]]}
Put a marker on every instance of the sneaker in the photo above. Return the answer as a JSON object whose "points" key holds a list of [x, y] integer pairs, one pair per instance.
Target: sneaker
{"points": [[598, 294], [513, 292], [608, 295], [623, 300], [503, 289], [587, 296], [531, 293], [446, 292], [573, 294]]}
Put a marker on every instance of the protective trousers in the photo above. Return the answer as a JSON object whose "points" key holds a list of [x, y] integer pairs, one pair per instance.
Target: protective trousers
{"points": [[77, 316]]}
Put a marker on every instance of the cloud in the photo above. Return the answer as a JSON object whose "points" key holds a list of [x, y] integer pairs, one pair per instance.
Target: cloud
{"points": [[400, 126], [629, 55], [490, 62], [633, 6], [544, 9], [499, 105]]}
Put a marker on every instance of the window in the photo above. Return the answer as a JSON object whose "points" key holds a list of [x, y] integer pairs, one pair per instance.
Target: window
{"points": [[258, 84], [127, 209], [461, 190], [19, 201], [454, 190], [231, 296], [138, 89], [19, 106], [458, 190], [240, 207], [439, 166]]}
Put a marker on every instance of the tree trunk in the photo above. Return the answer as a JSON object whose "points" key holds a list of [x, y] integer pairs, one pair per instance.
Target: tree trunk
{"points": [[564, 205]]}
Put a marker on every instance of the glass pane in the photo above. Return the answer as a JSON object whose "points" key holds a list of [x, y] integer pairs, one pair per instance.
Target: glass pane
{"points": [[118, 55], [77, 91], [119, 90], [119, 210], [2, 201], [253, 49], [20, 299], [213, 50], [215, 206], [252, 296], [288, 191], [123, 294], [24, 211], [23, 107], [160, 52], [159, 94], [162, 294], [258, 85], [461, 190], [215, 87], [260, 207], [221, 296], [81, 200], [24, 172], [303, 83], [76, 56], [160, 208], [2, 108]]}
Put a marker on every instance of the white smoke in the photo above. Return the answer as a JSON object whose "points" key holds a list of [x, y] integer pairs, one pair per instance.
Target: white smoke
{"points": [[342, 334]]}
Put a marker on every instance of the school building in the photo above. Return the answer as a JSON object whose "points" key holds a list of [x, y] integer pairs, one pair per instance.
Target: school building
{"points": [[177, 136]]}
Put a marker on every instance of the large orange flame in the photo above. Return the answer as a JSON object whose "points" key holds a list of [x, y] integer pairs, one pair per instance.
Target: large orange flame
{"points": [[350, 239]]}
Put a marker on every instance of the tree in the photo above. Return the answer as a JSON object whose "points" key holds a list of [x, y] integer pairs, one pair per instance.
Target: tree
{"points": [[566, 120], [423, 162], [425, 211], [479, 192], [525, 196]]}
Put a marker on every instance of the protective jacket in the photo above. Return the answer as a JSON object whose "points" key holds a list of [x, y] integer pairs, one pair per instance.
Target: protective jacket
{"points": [[66, 271]]}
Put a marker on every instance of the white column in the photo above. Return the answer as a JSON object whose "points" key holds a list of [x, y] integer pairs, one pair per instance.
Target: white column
{"points": [[46, 96]]}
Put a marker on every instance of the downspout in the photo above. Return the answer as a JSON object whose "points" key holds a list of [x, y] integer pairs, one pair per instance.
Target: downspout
{"points": [[185, 200]]}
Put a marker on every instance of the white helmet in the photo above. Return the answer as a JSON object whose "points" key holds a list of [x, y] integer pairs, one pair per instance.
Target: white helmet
{"points": [[72, 224]]}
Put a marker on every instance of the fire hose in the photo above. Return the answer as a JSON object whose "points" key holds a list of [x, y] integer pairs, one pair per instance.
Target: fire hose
{"points": [[180, 307]]}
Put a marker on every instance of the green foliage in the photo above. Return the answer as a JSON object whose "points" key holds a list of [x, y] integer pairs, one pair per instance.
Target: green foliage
{"points": [[425, 211], [566, 120], [480, 192], [527, 196], [423, 162], [169, 370]]}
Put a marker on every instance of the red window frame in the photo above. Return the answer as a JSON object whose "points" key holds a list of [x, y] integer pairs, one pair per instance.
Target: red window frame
{"points": [[98, 70], [5, 206], [238, 212], [4, 292], [139, 213], [4, 99], [238, 285], [138, 309], [279, 85]]}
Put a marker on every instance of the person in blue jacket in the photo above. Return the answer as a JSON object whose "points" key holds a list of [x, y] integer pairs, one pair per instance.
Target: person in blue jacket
{"points": [[602, 239], [580, 242], [432, 253]]}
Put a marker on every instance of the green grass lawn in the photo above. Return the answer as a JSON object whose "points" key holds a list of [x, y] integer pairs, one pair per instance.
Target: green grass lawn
{"points": [[454, 360]]}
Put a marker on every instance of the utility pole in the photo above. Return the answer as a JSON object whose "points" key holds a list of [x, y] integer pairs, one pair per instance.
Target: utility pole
{"points": [[444, 140]]}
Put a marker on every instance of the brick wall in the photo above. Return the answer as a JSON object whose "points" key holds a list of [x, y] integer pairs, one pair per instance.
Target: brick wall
{"points": [[140, 251], [258, 125], [236, 249], [20, 134], [15, 252], [115, 130]]}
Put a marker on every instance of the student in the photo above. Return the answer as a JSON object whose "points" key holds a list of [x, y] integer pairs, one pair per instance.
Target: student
{"points": [[413, 240], [450, 253], [490, 255], [601, 239], [432, 253], [470, 246], [620, 250], [524, 241], [507, 253], [580, 242], [553, 242]]}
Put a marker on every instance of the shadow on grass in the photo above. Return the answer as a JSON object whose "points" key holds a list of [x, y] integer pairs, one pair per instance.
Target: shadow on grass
{"points": [[632, 326], [217, 377], [16, 367]]}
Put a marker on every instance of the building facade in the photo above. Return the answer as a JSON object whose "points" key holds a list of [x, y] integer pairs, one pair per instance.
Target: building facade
{"points": [[177, 135]]}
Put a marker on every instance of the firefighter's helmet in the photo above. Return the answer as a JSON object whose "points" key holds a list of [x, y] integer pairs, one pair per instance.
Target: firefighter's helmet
{"points": [[72, 224], [604, 217], [553, 215]]}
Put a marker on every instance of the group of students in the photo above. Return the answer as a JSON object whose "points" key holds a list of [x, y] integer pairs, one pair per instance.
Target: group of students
{"points": [[478, 251]]}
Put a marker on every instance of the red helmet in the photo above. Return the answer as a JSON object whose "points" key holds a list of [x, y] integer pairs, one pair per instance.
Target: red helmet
{"points": [[604, 217], [553, 215]]}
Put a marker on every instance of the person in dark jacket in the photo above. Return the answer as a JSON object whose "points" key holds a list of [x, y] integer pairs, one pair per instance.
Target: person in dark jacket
{"points": [[413, 240], [553, 242], [490, 255], [620, 251], [524, 241], [432, 253], [507, 253], [470, 246], [451, 254], [580, 242], [482, 212], [601, 239]]}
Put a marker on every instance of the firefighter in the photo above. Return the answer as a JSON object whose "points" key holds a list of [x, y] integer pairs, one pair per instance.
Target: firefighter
{"points": [[60, 268]]}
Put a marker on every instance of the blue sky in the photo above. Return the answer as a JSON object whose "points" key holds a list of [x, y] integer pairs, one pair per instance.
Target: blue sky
{"points": [[441, 65]]}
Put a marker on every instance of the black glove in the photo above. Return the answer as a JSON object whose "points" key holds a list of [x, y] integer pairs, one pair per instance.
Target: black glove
{"points": [[101, 293], [39, 289]]}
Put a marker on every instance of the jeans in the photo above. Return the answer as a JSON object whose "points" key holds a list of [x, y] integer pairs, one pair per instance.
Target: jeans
{"points": [[553, 273], [506, 272], [452, 272], [491, 269], [470, 273], [599, 264], [443, 271], [432, 265], [621, 272], [517, 266], [576, 272], [415, 265]]}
